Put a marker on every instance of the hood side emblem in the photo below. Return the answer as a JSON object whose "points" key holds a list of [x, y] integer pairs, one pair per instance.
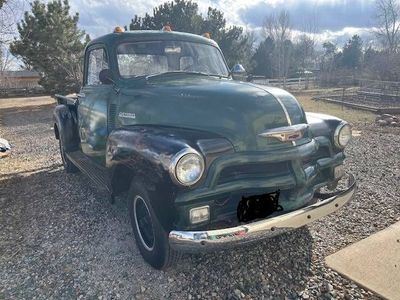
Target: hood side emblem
{"points": [[287, 133], [127, 115]]}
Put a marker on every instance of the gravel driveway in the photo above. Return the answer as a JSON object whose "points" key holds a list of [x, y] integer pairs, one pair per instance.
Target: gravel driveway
{"points": [[61, 239]]}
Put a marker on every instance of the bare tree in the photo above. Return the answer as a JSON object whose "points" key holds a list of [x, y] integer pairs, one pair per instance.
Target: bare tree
{"points": [[278, 28], [388, 24], [6, 58], [11, 12], [305, 50]]}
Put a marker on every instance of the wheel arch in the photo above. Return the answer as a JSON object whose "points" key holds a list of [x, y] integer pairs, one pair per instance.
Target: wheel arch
{"points": [[157, 183], [121, 179]]}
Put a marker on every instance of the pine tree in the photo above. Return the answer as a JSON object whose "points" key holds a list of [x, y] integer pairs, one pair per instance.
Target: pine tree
{"points": [[52, 44], [352, 54], [184, 16], [263, 58]]}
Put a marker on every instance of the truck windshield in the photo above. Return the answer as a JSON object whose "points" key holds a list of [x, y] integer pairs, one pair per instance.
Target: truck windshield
{"points": [[151, 58]]}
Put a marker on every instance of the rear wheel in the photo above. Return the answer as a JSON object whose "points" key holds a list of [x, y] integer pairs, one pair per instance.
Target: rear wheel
{"points": [[68, 165], [151, 238]]}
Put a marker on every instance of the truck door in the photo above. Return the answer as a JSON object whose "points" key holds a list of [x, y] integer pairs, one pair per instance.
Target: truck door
{"points": [[93, 104]]}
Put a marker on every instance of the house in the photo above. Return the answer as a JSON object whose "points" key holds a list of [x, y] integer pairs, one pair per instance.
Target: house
{"points": [[19, 80]]}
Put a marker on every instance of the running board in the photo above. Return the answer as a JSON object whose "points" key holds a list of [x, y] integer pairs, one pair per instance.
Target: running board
{"points": [[96, 173]]}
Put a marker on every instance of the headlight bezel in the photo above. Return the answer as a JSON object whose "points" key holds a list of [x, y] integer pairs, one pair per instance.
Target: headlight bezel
{"points": [[175, 161], [337, 132]]}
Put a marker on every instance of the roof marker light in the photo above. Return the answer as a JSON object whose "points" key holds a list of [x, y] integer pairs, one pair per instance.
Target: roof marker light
{"points": [[119, 29], [167, 28]]}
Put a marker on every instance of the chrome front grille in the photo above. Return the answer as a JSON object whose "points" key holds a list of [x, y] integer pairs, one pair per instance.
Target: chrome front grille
{"points": [[253, 171]]}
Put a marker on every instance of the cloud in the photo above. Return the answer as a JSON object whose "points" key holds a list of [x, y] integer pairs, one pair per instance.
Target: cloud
{"points": [[102, 16], [336, 20], [327, 15], [342, 36]]}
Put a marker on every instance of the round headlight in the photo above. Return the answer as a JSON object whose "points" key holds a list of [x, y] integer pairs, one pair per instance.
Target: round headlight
{"points": [[342, 135], [188, 167]]}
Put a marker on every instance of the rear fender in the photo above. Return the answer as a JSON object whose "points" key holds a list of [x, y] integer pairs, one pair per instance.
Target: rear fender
{"points": [[66, 127]]}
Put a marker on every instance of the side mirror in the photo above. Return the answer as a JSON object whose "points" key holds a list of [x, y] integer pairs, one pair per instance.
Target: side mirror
{"points": [[105, 76], [238, 72]]}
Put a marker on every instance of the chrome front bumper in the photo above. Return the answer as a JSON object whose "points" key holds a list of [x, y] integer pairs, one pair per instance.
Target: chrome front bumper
{"points": [[196, 241]]}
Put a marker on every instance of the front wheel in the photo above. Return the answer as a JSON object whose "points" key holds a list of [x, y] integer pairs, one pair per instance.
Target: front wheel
{"points": [[151, 238]]}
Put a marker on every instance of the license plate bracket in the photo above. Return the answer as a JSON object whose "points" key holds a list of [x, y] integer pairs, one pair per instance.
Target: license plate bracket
{"points": [[258, 206]]}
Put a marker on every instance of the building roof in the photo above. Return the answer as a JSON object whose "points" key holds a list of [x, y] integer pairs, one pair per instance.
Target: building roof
{"points": [[19, 74]]}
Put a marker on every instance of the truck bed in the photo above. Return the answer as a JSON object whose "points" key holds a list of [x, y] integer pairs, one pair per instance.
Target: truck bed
{"points": [[67, 100]]}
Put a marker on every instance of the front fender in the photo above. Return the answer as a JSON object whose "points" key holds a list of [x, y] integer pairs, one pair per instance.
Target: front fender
{"points": [[66, 127], [148, 151], [322, 124]]}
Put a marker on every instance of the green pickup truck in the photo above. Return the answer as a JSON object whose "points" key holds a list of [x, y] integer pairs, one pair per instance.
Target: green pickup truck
{"points": [[206, 162]]}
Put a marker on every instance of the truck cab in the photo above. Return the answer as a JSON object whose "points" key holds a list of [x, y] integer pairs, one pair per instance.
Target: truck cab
{"points": [[206, 162]]}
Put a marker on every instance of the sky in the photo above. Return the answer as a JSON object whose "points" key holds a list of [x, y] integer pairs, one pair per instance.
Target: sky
{"points": [[334, 20]]}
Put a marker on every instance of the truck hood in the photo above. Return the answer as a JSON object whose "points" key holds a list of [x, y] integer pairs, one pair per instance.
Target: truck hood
{"points": [[238, 111]]}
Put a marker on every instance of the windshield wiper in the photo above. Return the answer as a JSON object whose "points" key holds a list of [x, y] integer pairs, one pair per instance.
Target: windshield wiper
{"points": [[179, 72], [175, 73]]}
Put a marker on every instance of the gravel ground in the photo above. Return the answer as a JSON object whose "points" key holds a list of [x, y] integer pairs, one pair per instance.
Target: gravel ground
{"points": [[60, 239]]}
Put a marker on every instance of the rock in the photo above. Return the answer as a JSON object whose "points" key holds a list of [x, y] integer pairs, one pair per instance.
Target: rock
{"points": [[347, 295], [305, 296], [4, 148], [388, 120], [239, 294], [326, 287], [4, 145], [382, 123]]}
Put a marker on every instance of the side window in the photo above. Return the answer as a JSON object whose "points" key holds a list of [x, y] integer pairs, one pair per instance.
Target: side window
{"points": [[97, 61]]}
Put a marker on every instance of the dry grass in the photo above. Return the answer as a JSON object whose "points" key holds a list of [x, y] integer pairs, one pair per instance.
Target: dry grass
{"points": [[345, 113], [25, 101]]}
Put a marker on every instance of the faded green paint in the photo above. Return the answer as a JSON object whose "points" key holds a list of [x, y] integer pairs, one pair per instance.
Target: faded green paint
{"points": [[237, 111]]}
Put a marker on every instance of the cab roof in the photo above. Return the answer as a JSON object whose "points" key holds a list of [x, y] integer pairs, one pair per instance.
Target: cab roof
{"points": [[150, 35]]}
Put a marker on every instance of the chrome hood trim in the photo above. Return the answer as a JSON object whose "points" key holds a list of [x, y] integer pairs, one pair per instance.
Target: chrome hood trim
{"points": [[287, 133]]}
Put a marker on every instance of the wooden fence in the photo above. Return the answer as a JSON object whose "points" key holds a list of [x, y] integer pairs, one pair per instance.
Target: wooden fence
{"points": [[299, 83]]}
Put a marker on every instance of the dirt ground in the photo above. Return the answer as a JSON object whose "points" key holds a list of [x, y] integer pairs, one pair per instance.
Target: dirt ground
{"points": [[61, 239]]}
